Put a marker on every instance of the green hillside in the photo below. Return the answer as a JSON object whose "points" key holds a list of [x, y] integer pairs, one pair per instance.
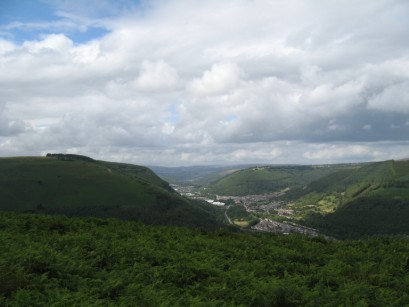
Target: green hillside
{"points": [[267, 179], [373, 199], [196, 175], [355, 178], [77, 185], [60, 261], [138, 172], [344, 200]]}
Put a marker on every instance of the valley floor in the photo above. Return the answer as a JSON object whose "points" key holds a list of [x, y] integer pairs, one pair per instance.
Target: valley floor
{"points": [[261, 206]]}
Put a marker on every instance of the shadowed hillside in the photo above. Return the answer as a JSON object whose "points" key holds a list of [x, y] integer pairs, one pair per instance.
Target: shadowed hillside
{"points": [[75, 185], [373, 199]]}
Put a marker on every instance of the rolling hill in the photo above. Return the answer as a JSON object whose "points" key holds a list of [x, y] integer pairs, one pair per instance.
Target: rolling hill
{"points": [[78, 185], [267, 179], [196, 175]]}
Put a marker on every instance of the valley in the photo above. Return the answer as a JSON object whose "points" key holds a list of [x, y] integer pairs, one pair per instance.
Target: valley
{"points": [[264, 212], [342, 200], [249, 153], [337, 200], [88, 232]]}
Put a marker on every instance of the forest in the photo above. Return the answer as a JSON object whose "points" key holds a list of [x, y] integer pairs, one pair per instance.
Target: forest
{"points": [[54, 260]]}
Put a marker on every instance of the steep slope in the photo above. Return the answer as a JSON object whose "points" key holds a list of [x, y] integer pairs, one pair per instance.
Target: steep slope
{"points": [[196, 175], [77, 186], [356, 178], [137, 171], [374, 199], [267, 179]]}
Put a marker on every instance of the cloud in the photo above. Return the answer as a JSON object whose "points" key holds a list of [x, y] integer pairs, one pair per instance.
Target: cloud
{"points": [[10, 126], [209, 82], [392, 98], [156, 76], [6, 46], [54, 42], [221, 78], [337, 152]]}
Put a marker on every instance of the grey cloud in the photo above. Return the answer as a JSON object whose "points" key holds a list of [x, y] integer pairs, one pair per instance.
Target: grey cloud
{"points": [[207, 82], [10, 126]]}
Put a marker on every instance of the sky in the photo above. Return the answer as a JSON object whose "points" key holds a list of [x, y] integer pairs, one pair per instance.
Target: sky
{"points": [[186, 82]]}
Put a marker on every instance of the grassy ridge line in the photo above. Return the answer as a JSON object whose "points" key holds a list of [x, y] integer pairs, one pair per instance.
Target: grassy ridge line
{"points": [[267, 179], [54, 260], [53, 183]]}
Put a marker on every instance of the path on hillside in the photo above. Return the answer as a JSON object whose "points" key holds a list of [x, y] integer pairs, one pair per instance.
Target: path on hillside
{"points": [[227, 217]]}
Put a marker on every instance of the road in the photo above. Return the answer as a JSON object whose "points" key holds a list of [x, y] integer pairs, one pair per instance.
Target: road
{"points": [[227, 217]]}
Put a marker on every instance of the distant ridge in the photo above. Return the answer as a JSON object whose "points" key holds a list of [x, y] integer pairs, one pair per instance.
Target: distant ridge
{"points": [[267, 179]]}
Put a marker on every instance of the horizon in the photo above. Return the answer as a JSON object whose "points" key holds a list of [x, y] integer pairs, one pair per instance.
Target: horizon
{"points": [[226, 165], [190, 83]]}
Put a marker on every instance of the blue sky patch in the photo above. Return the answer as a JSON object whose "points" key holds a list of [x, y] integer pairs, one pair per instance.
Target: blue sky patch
{"points": [[31, 19]]}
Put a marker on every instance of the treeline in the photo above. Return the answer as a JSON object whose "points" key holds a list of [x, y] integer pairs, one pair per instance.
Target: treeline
{"points": [[70, 157], [55, 260]]}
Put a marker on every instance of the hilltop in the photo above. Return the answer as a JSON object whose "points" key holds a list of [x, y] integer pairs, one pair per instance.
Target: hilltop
{"points": [[77, 185]]}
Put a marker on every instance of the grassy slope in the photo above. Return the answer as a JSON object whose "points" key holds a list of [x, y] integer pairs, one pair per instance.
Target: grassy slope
{"points": [[137, 171], [195, 175], [96, 189], [353, 179], [59, 261], [261, 180], [375, 200]]}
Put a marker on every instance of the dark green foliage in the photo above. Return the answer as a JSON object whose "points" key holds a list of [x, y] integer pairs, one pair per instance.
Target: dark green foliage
{"points": [[238, 212], [366, 216], [60, 261], [375, 200], [100, 189]]}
